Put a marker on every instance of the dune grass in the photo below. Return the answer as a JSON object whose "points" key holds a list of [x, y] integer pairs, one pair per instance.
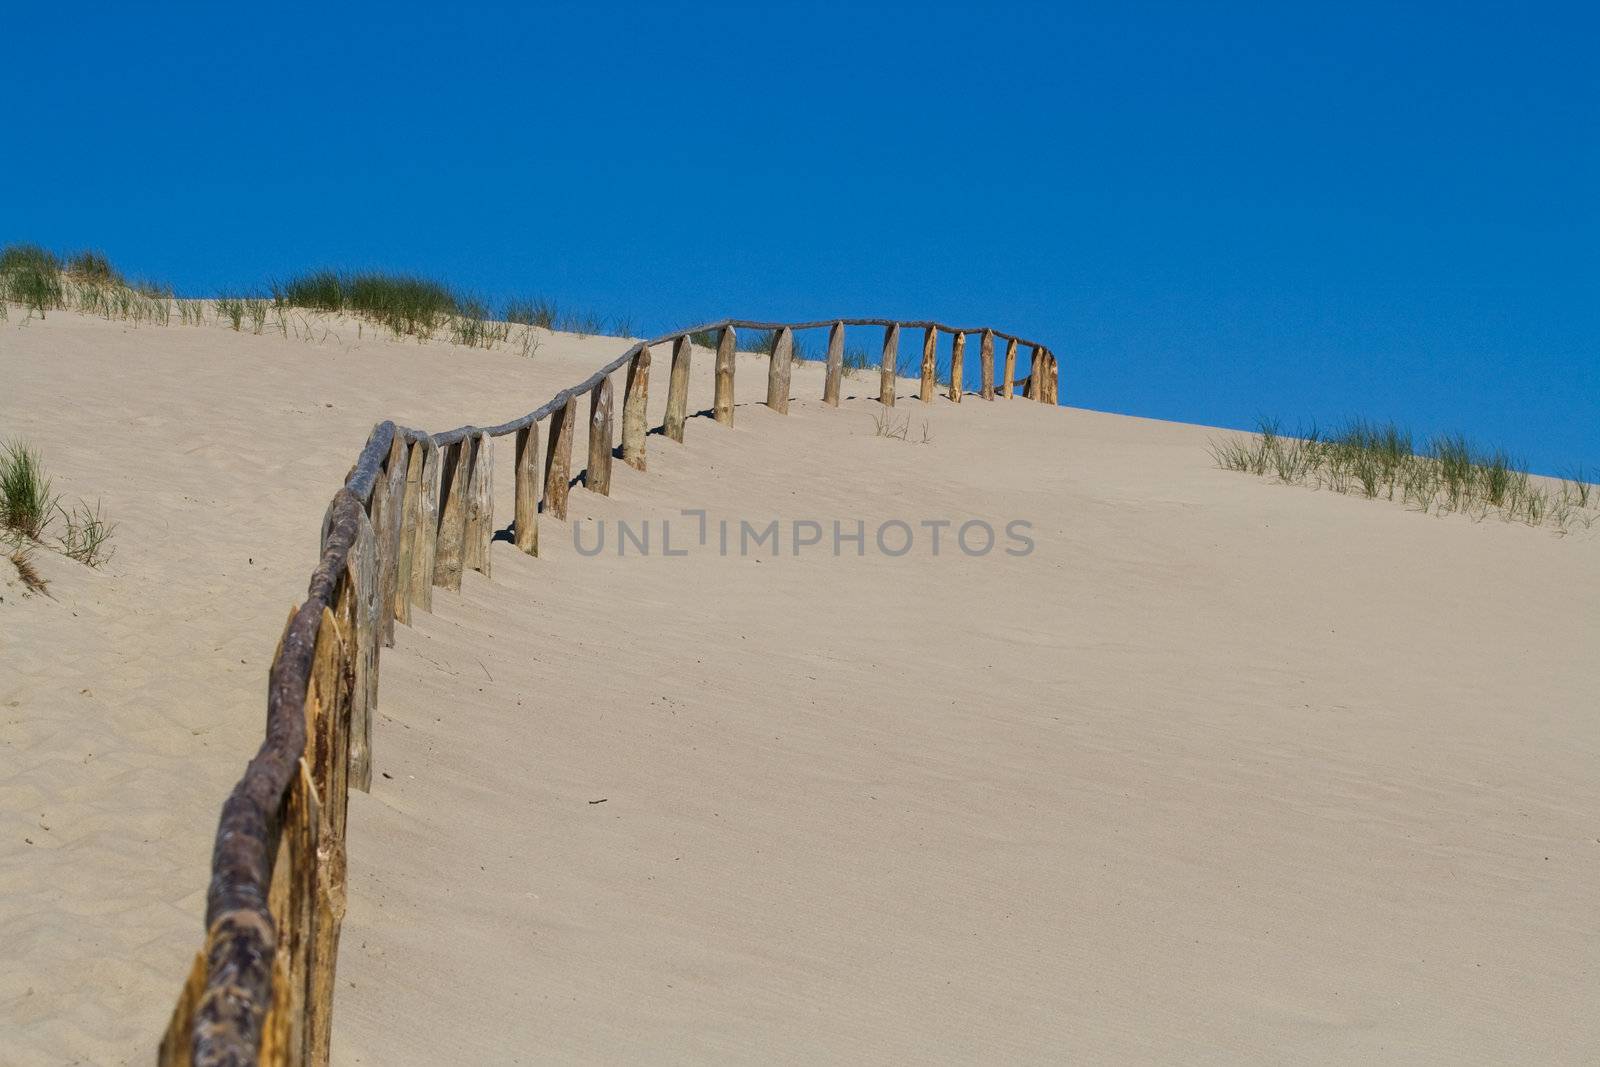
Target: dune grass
{"points": [[31, 276], [1446, 473], [42, 281], [26, 499], [410, 305], [29, 504], [407, 305]]}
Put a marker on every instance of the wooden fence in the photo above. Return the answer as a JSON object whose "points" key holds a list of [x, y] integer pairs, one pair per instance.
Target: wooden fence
{"points": [[415, 512]]}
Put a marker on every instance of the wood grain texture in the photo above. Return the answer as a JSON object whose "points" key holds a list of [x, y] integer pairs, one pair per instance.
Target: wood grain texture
{"points": [[390, 493], [835, 369], [930, 356], [328, 735], [174, 1048], [359, 598], [678, 390], [241, 939], [958, 348], [1010, 370], [480, 507], [449, 559], [369, 464], [722, 402], [288, 1029], [986, 364], [886, 366], [558, 460], [427, 531], [635, 404], [779, 371], [410, 520], [597, 476], [526, 471]]}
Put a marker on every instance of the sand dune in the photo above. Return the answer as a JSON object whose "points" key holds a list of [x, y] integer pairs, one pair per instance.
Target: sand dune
{"points": [[1221, 771]]}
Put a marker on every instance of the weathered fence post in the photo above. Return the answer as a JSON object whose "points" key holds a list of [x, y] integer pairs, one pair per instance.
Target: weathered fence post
{"points": [[778, 371], [558, 458], [891, 354], [361, 576], [455, 480], [597, 476], [327, 740], [410, 519], [526, 472], [678, 390], [722, 405], [1031, 389], [635, 399], [958, 347], [986, 364], [835, 371], [288, 1031], [1010, 370], [480, 506], [393, 493], [427, 532], [930, 355], [1052, 381]]}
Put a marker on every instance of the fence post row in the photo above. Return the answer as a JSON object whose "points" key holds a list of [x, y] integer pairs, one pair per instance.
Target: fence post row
{"points": [[414, 513]]}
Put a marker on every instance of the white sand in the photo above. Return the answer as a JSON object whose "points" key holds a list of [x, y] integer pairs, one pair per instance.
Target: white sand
{"points": [[1223, 771]]}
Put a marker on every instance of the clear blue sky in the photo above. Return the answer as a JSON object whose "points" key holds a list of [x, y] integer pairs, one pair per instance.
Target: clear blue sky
{"points": [[1211, 211]]}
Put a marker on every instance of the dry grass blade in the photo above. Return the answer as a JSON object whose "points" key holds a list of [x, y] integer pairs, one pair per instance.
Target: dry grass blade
{"points": [[87, 535], [22, 560]]}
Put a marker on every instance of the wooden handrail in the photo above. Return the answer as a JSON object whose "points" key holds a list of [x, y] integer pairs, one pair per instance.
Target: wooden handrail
{"points": [[414, 512]]}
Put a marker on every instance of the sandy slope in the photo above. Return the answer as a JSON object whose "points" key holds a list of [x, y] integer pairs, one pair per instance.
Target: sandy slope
{"points": [[1221, 771]]}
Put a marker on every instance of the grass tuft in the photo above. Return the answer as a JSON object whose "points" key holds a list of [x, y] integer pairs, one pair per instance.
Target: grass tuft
{"points": [[26, 502], [884, 424], [1380, 460], [87, 535], [86, 282]]}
